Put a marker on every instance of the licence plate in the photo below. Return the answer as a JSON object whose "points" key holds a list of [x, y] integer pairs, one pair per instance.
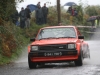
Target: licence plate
{"points": [[53, 54]]}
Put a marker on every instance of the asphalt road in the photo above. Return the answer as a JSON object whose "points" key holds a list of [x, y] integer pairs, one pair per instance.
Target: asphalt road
{"points": [[90, 67]]}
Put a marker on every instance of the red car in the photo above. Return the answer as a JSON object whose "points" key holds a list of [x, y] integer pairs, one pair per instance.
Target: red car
{"points": [[57, 44]]}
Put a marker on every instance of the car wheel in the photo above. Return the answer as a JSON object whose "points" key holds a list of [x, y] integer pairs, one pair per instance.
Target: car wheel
{"points": [[31, 64], [79, 61]]}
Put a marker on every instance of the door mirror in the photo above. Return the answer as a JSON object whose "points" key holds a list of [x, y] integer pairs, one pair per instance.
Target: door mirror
{"points": [[80, 37], [32, 39]]}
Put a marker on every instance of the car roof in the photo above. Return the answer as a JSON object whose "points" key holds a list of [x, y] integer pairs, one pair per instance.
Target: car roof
{"points": [[59, 26]]}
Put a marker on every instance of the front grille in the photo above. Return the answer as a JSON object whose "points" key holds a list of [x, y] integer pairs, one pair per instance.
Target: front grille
{"points": [[53, 47]]}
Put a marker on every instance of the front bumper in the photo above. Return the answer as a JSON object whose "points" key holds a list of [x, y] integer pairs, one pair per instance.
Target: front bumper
{"points": [[53, 56]]}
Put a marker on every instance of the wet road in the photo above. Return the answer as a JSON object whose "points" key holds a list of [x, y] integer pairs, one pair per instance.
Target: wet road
{"points": [[91, 66]]}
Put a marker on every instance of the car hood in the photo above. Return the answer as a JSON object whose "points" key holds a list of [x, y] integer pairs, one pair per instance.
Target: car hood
{"points": [[55, 41]]}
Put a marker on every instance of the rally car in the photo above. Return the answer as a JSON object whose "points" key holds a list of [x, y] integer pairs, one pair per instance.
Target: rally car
{"points": [[57, 44]]}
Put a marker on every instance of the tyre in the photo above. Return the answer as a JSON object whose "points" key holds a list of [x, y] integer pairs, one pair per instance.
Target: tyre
{"points": [[31, 64], [79, 61]]}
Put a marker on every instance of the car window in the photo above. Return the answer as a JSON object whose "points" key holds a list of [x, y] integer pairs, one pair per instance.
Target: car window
{"points": [[57, 33]]}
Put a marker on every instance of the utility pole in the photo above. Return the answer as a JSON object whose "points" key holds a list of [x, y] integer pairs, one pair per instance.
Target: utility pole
{"points": [[58, 11]]}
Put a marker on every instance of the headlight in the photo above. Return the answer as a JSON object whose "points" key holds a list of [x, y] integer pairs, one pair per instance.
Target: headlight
{"points": [[71, 46], [34, 48]]}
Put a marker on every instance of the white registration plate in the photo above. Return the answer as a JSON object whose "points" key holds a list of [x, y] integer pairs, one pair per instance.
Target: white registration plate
{"points": [[53, 54]]}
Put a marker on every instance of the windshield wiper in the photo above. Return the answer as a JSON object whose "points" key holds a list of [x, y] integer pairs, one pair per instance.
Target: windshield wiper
{"points": [[67, 37], [48, 38]]}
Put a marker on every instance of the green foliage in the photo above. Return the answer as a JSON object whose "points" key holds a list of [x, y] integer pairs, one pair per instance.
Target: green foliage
{"points": [[4, 60], [11, 42], [92, 10], [7, 8], [52, 17], [13, 39]]}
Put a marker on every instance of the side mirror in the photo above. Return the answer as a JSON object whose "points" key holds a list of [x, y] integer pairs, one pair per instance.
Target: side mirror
{"points": [[32, 39], [81, 37]]}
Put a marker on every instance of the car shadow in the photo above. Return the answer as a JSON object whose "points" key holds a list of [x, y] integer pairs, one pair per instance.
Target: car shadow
{"points": [[56, 65]]}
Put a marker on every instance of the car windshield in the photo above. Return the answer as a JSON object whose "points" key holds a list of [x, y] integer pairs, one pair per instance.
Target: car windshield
{"points": [[49, 33]]}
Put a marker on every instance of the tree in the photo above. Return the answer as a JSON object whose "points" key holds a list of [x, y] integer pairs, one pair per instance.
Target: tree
{"points": [[92, 10], [7, 7], [7, 38]]}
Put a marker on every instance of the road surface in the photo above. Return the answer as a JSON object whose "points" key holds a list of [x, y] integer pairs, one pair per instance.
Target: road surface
{"points": [[90, 67]]}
